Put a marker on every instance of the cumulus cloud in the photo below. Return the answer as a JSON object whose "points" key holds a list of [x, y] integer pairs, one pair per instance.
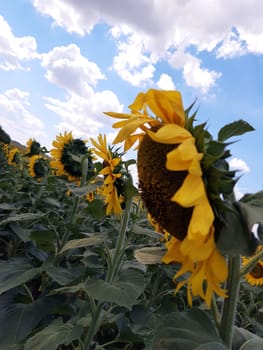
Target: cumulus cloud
{"points": [[14, 49], [68, 68], [81, 110], [84, 115], [134, 63], [165, 82], [16, 118], [232, 46], [194, 74], [239, 164], [222, 27]]}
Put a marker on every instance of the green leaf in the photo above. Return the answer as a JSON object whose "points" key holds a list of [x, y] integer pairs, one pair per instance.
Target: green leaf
{"points": [[22, 217], [124, 292], [16, 271], [51, 202], [255, 199], [45, 239], [253, 344], [43, 236], [216, 149], [7, 206], [242, 336], [211, 346], [235, 235], [61, 275], [138, 230], [150, 255], [82, 242], [18, 320], [20, 231], [57, 333], [96, 208], [184, 331], [253, 214], [236, 128]]}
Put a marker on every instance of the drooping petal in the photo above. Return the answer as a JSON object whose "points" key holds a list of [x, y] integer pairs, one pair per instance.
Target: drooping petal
{"points": [[201, 221], [191, 191], [197, 250], [170, 134]]}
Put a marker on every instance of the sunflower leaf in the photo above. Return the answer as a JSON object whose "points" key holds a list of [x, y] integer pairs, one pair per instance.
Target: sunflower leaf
{"points": [[123, 292], [255, 199], [53, 335], [236, 128], [184, 331]]}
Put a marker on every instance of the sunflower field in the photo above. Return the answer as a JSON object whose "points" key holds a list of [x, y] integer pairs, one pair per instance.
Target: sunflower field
{"points": [[90, 260]]}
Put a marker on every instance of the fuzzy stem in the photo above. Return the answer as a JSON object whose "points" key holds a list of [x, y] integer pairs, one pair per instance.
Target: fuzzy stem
{"points": [[215, 312], [230, 303], [84, 170], [110, 276]]}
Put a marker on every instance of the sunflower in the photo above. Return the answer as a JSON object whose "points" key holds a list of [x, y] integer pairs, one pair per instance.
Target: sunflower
{"points": [[112, 189], [255, 275], [176, 174], [32, 148], [66, 148], [13, 156], [37, 166]]}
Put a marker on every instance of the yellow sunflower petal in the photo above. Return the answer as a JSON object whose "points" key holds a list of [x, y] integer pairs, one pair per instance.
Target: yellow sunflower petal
{"points": [[130, 127], [198, 250], [167, 105], [191, 191], [200, 223], [185, 157], [170, 134], [218, 265]]}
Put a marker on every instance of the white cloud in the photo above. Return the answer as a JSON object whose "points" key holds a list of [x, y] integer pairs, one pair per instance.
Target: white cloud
{"points": [[66, 16], [84, 115], [239, 164], [13, 49], [232, 46], [134, 63], [165, 82], [81, 111], [146, 31], [17, 120], [67, 68], [194, 75]]}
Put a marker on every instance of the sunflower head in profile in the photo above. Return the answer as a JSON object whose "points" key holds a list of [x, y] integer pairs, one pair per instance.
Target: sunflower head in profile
{"points": [[112, 170], [65, 153], [37, 166], [183, 176], [33, 148], [255, 276]]}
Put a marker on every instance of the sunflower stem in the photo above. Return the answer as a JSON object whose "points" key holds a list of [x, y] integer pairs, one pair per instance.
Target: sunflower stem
{"points": [[230, 303], [215, 312], [110, 276], [84, 171], [117, 257]]}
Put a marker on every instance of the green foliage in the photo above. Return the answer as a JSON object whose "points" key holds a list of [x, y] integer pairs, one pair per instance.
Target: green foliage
{"points": [[236, 128], [64, 270], [184, 331]]}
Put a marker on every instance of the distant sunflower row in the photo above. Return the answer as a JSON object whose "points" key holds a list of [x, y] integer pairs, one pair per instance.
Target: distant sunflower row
{"points": [[65, 160]]}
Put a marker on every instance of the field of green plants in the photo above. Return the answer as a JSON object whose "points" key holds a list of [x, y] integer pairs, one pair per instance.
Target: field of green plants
{"points": [[79, 271]]}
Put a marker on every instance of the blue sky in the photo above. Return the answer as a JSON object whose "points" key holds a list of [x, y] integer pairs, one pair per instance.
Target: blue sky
{"points": [[64, 62]]}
